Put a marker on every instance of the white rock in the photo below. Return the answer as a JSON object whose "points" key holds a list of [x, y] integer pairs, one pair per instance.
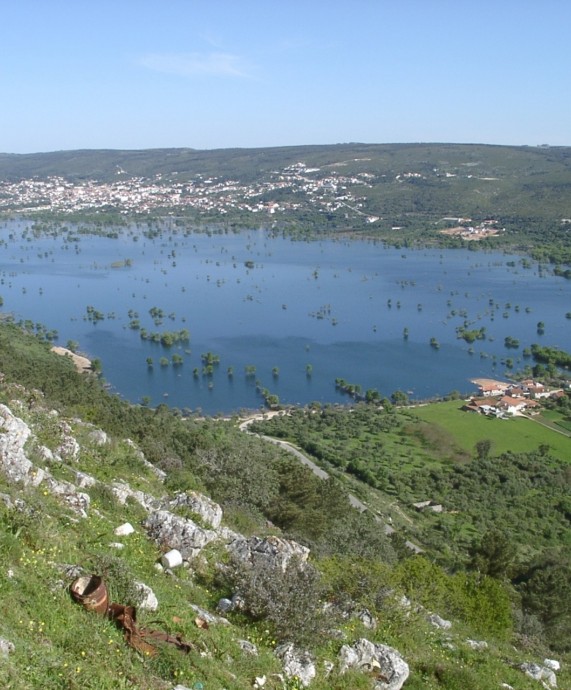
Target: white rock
{"points": [[248, 647], [392, 668], [98, 437], [296, 663], [116, 545], [124, 529], [171, 559], [148, 600], [552, 664], [477, 645], [540, 673], [6, 647], [439, 622]]}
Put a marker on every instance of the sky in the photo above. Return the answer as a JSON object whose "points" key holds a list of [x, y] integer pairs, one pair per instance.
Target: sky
{"points": [[135, 74]]}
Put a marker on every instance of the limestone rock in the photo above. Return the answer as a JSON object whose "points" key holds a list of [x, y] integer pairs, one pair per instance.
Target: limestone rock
{"points": [[224, 605], [123, 491], [124, 530], [552, 664], [6, 647], [209, 512], [385, 663], [477, 645], [367, 619], [148, 600], [271, 551], [248, 647], [175, 532], [541, 673], [439, 622], [210, 618], [296, 663], [98, 437], [14, 434]]}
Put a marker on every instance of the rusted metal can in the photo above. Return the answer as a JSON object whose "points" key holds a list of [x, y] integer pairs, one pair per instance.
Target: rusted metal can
{"points": [[90, 592]]}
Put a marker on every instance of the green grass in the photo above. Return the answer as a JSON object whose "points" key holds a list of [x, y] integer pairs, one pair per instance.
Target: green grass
{"points": [[518, 435]]}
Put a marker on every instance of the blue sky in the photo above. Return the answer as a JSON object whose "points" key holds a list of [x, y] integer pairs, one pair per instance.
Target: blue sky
{"points": [[247, 73]]}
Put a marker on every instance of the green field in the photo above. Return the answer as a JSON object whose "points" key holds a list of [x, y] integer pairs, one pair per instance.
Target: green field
{"points": [[518, 435]]}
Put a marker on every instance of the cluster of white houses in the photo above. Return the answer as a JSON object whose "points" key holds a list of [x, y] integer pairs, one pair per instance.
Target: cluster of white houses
{"points": [[501, 399]]}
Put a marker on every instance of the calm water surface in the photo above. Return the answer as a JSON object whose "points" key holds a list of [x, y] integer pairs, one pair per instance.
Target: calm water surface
{"points": [[253, 300]]}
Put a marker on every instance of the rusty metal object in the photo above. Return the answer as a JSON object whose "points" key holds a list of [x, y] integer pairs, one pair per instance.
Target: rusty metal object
{"points": [[90, 592]]}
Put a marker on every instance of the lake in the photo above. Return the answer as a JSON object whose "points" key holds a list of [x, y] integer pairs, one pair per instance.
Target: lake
{"points": [[336, 308]]}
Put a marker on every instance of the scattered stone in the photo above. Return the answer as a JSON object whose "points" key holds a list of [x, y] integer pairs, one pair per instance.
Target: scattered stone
{"points": [[552, 664], [387, 665], [224, 605], [171, 559], [148, 600], [124, 530], [541, 673], [439, 622], [328, 667], [116, 545], [98, 437], [296, 663], [248, 647], [477, 645], [210, 618], [6, 647], [260, 681], [45, 454], [367, 619], [84, 480]]}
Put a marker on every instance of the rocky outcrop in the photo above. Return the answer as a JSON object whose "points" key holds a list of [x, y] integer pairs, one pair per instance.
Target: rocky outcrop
{"points": [[296, 663], [209, 512], [384, 663], [173, 532], [19, 469], [270, 552], [540, 673]]}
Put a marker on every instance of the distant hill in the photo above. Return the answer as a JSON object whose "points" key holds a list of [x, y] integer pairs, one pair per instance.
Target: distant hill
{"points": [[418, 188]]}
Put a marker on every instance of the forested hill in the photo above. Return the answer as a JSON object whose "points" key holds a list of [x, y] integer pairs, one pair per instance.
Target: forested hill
{"points": [[531, 167]]}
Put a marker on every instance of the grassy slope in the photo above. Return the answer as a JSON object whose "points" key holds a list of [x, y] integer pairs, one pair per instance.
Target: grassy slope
{"points": [[58, 645]]}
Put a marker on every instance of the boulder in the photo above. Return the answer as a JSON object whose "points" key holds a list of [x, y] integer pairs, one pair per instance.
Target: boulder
{"points": [[552, 664], [439, 622], [296, 663], [175, 532], [386, 665], [270, 552], [98, 437], [477, 645], [14, 434], [207, 510], [124, 530], [148, 600], [541, 673], [367, 619]]}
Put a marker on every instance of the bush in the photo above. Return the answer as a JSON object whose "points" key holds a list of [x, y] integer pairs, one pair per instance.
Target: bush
{"points": [[287, 600]]}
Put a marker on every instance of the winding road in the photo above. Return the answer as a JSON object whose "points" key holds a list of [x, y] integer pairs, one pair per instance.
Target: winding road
{"points": [[318, 471]]}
